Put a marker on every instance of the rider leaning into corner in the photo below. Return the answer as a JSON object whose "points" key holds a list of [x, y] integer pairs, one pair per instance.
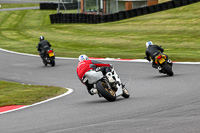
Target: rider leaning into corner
{"points": [[86, 65], [43, 46], [152, 51]]}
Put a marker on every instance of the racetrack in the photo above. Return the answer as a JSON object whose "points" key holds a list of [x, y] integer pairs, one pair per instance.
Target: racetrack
{"points": [[158, 103]]}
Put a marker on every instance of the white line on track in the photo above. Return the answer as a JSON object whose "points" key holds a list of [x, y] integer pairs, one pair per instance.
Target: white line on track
{"points": [[68, 92], [105, 59]]}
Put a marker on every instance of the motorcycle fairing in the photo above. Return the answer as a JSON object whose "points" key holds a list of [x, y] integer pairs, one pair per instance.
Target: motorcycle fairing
{"points": [[119, 91], [93, 76]]}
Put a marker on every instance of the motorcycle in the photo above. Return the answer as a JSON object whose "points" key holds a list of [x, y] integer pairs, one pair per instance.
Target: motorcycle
{"points": [[49, 57], [108, 86], [165, 64]]}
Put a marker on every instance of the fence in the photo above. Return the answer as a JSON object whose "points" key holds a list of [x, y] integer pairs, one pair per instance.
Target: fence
{"points": [[54, 6], [95, 19]]}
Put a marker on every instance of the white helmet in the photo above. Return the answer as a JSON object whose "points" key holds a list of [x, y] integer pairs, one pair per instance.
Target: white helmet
{"points": [[149, 43], [83, 57], [41, 38]]}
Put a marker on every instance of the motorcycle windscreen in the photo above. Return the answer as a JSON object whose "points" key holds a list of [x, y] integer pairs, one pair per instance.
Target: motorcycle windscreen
{"points": [[93, 76]]}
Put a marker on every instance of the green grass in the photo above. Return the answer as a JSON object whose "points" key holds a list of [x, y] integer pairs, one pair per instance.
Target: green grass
{"points": [[19, 94], [177, 30], [161, 1], [17, 5]]}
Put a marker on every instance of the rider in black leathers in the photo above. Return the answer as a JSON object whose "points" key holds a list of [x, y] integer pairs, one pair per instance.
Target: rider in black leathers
{"points": [[152, 51], [43, 46]]}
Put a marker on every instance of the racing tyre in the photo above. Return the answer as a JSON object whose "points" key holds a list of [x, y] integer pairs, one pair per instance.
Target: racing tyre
{"points": [[52, 62], [105, 90], [168, 69], [125, 94]]}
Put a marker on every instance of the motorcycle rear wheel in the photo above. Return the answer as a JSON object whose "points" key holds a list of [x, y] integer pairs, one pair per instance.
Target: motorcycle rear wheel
{"points": [[105, 90], [168, 69], [53, 62]]}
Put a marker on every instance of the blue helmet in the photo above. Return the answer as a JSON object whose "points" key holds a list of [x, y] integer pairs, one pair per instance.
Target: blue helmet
{"points": [[149, 43], [83, 57]]}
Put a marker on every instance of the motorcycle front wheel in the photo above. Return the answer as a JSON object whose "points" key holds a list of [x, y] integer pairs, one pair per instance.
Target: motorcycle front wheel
{"points": [[125, 94], [105, 90]]}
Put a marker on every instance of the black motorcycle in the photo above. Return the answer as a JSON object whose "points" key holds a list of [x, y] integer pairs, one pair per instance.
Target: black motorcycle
{"points": [[48, 57], [165, 64]]}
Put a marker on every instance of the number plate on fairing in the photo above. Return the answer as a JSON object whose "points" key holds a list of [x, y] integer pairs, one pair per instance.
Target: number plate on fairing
{"points": [[161, 61], [51, 54]]}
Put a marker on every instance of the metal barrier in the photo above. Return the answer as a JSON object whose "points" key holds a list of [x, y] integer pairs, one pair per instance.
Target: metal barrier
{"points": [[95, 19]]}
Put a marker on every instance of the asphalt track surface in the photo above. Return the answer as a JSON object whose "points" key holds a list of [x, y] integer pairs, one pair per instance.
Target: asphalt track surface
{"points": [[22, 8], [158, 103]]}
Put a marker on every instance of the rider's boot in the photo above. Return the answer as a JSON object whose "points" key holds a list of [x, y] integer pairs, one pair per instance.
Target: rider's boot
{"points": [[93, 91]]}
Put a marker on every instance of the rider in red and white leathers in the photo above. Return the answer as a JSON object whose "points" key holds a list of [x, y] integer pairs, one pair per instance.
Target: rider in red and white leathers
{"points": [[86, 65]]}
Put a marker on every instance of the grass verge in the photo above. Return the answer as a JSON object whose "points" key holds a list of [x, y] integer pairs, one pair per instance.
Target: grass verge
{"points": [[17, 5], [177, 30], [20, 94]]}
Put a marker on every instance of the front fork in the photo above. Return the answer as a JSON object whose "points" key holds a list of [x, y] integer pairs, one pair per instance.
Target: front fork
{"points": [[113, 75]]}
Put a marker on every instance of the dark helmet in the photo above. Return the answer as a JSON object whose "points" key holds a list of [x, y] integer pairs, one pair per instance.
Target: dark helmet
{"points": [[41, 38]]}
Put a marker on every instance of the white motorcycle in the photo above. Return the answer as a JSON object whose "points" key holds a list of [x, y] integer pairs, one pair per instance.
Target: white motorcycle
{"points": [[108, 86]]}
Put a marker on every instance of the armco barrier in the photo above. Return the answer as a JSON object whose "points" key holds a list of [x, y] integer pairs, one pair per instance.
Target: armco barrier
{"points": [[145, 10], [170, 5], [164, 6], [54, 6], [191, 1], [122, 15], [158, 8], [152, 9], [139, 12], [184, 2], [127, 14], [115, 16], [177, 3], [133, 13], [95, 19]]}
